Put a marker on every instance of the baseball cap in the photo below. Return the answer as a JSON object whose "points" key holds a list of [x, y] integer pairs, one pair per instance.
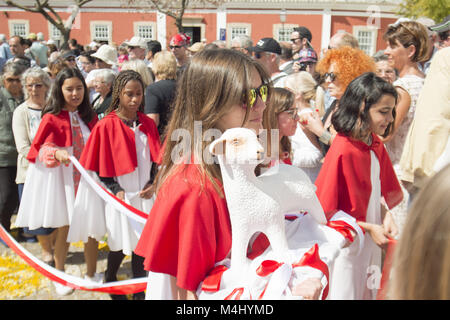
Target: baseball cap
{"points": [[307, 55], [137, 42], [32, 36], [180, 39], [304, 32], [267, 45], [68, 54], [443, 26]]}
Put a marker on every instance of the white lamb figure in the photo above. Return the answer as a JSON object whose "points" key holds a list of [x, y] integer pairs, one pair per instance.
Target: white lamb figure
{"points": [[258, 204]]}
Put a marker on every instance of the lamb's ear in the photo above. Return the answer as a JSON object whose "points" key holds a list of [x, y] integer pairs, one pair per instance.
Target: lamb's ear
{"points": [[216, 148]]}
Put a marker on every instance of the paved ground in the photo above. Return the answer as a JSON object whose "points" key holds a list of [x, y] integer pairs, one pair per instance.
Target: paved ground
{"points": [[20, 281]]}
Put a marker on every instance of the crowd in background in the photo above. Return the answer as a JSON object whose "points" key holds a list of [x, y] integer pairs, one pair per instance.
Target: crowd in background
{"points": [[306, 90]]}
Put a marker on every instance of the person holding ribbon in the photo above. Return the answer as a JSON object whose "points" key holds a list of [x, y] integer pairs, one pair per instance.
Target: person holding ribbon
{"points": [[188, 231], [121, 150], [52, 183], [356, 174]]}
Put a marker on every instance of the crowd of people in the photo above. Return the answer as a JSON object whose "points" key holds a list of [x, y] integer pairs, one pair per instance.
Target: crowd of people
{"points": [[372, 133]]}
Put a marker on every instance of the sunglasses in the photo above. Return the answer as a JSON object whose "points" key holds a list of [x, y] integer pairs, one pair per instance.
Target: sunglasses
{"points": [[332, 76], [295, 39], [174, 47], [293, 113], [262, 91], [70, 59]]}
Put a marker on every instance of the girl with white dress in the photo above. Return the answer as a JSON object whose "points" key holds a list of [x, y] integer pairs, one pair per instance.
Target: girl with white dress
{"points": [[51, 181], [356, 174], [120, 154]]}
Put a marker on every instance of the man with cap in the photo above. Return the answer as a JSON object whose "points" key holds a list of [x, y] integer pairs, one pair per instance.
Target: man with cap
{"points": [[137, 49], [307, 61], [442, 30], [178, 46], [301, 38], [267, 52], [70, 57]]}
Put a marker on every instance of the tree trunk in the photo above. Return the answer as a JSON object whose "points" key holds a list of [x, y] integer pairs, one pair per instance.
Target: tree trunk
{"points": [[65, 41], [179, 24]]}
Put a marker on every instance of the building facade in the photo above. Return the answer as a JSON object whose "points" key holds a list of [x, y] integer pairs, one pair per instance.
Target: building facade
{"points": [[114, 22]]}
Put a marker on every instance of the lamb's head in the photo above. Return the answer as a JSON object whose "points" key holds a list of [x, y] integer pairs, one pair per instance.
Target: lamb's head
{"points": [[238, 145]]}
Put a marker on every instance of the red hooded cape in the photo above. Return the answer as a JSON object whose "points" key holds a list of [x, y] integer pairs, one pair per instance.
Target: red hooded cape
{"points": [[344, 180], [54, 129], [188, 229], [111, 147]]}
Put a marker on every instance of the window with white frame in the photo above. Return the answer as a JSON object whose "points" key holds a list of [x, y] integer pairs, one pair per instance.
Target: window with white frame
{"points": [[101, 30], [55, 34], [367, 38], [237, 29], [19, 28], [145, 30], [282, 32]]}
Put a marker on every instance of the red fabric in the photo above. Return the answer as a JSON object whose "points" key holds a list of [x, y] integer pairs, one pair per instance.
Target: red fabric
{"points": [[344, 180], [381, 295], [312, 259], [54, 129], [343, 228], [111, 148], [212, 281], [188, 229]]}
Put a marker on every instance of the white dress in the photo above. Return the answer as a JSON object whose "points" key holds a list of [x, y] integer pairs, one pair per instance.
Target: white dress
{"points": [[98, 218], [48, 194], [358, 271]]}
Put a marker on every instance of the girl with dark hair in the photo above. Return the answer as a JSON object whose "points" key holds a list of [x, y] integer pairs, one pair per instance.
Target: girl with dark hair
{"points": [[121, 151], [50, 189], [356, 173]]}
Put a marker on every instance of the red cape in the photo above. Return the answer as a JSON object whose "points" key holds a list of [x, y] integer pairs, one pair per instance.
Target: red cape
{"points": [[54, 129], [344, 180], [188, 229], [111, 147]]}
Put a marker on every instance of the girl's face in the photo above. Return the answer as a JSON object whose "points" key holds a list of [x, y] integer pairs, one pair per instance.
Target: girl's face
{"points": [[235, 117], [73, 92], [36, 89], [380, 114], [335, 87], [397, 54], [131, 96], [287, 122]]}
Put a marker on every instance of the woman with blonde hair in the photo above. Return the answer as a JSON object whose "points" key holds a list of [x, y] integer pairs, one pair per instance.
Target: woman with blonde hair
{"points": [[306, 152], [421, 265], [140, 67], [160, 94], [407, 45]]}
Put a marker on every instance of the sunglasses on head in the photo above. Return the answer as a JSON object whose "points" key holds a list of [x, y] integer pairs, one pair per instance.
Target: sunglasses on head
{"points": [[262, 91], [332, 76]]}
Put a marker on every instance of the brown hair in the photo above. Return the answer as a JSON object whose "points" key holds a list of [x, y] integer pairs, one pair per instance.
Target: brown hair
{"points": [[213, 81], [409, 33], [421, 265], [281, 100]]}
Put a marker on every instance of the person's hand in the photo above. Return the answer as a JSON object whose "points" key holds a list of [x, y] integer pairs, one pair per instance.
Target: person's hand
{"points": [[121, 195], [312, 122], [390, 227], [147, 191], [309, 289], [378, 235], [62, 156]]}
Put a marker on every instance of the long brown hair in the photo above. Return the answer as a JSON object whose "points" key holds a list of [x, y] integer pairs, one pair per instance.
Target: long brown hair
{"points": [[213, 81], [281, 100]]}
